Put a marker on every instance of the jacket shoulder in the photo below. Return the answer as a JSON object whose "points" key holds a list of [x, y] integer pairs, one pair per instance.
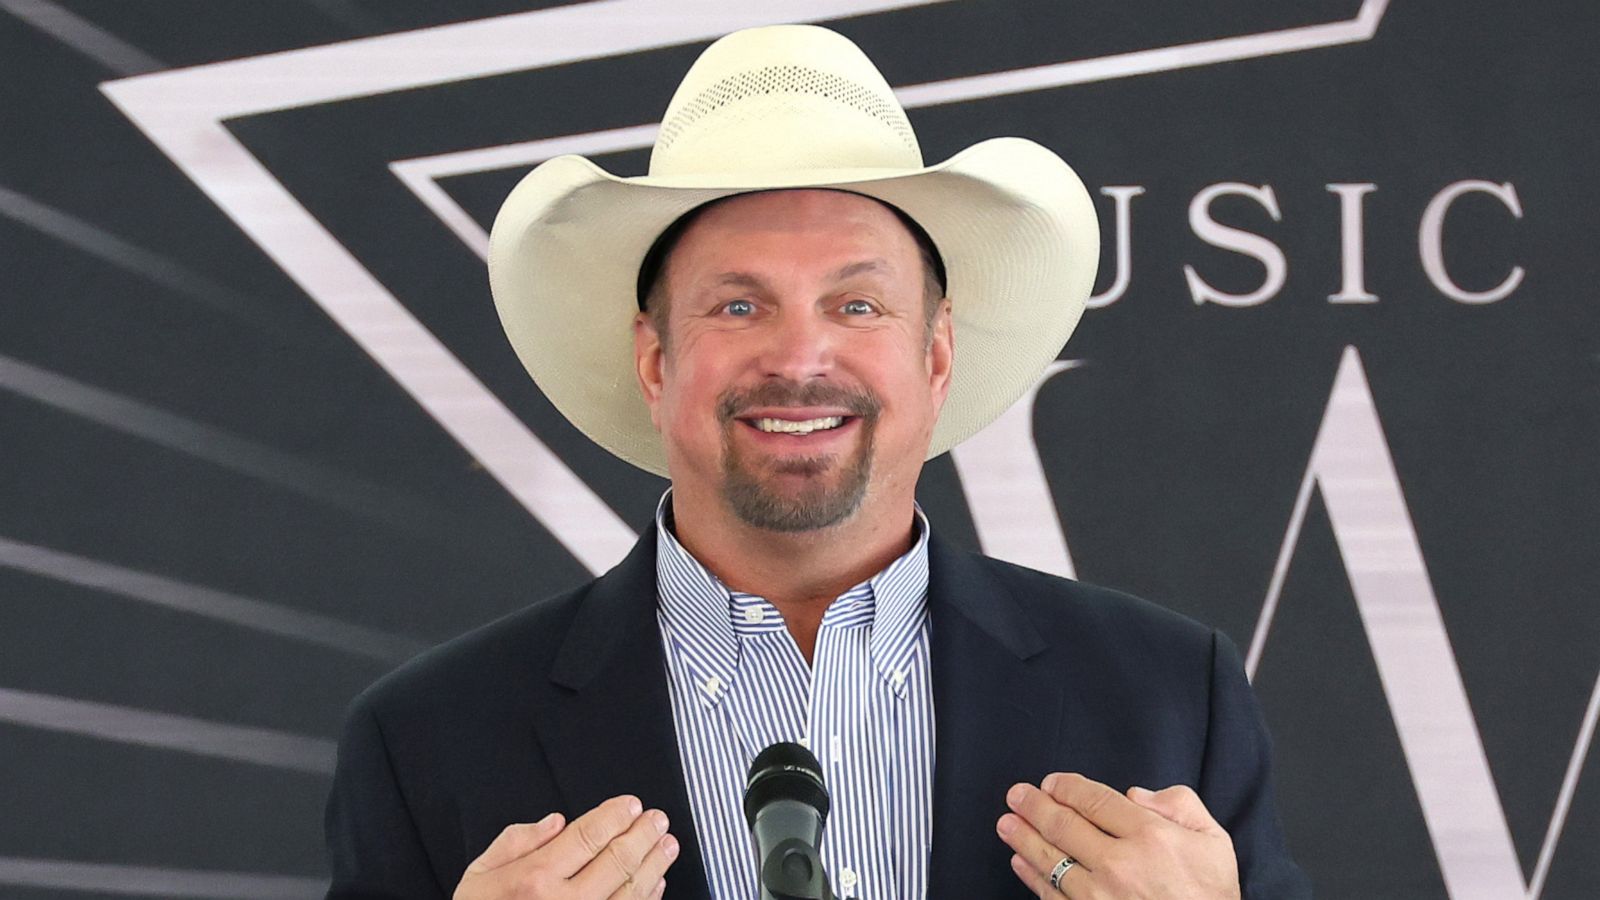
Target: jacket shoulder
{"points": [[516, 649], [1064, 605]]}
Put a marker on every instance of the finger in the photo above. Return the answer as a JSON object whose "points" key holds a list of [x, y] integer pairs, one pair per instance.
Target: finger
{"points": [[1115, 814], [590, 834], [1030, 876], [613, 867], [1035, 848], [517, 841], [1179, 804], [1057, 824], [1074, 884], [647, 880]]}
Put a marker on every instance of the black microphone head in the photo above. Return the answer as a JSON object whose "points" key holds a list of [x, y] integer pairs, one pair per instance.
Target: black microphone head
{"points": [[785, 771]]}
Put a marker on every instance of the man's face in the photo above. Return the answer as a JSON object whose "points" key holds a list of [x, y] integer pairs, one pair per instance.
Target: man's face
{"points": [[802, 377]]}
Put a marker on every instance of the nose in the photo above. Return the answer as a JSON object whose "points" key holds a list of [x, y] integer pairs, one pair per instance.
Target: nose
{"points": [[799, 346]]}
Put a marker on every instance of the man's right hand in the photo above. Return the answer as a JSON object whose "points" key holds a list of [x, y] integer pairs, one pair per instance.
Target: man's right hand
{"points": [[616, 850]]}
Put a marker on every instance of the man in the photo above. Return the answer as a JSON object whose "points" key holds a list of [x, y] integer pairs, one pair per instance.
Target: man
{"points": [[771, 319]]}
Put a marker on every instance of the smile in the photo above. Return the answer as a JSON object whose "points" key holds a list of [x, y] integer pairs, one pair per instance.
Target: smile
{"points": [[805, 426]]}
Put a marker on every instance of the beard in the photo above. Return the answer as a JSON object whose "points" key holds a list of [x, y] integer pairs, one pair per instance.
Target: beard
{"points": [[832, 488]]}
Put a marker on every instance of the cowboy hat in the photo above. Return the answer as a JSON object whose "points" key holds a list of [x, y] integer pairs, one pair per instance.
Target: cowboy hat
{"points": [[790, 106]]}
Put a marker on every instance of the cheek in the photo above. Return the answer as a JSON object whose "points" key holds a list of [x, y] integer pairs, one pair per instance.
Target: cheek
{"points": [[905, 374], [688, 408], [908, 417], [703, 367], [677, 412]]}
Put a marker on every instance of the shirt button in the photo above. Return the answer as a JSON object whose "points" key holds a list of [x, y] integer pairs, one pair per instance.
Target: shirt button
{"points": [[713, 684], [754, 615], [848, 879], [898, 678]]}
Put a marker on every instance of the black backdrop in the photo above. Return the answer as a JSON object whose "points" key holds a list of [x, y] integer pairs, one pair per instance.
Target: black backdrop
{"points": [[261, 437]]}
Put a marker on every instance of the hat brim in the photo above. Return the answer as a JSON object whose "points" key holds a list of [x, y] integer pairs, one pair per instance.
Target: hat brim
{"points": [[1013, 222]]}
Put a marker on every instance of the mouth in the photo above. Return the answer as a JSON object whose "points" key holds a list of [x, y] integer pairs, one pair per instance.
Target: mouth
{"points": [[797, 426], [788, 420], [803, 431]]}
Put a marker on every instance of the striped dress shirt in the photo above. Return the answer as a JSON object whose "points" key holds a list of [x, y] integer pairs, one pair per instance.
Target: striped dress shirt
{"points": [[864, 706]]}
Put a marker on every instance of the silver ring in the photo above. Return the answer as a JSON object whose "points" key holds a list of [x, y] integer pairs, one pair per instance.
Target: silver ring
{"points": [[1061, 868]]}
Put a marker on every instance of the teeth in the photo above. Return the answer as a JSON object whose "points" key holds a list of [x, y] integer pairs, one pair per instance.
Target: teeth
{"points": [[786, 426]]}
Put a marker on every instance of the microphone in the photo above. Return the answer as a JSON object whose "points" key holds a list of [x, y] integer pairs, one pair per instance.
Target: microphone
{"points": [[786, 804]]}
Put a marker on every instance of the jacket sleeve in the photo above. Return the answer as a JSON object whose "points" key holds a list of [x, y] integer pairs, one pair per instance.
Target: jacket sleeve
{"points": [[374, 848], [1236, 782]]}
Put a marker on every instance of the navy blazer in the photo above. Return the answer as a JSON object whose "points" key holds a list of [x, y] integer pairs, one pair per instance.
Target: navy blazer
{"points": [[564, 704]]}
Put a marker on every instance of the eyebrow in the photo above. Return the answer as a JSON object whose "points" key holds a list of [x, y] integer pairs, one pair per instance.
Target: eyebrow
{"points": [[738, 279], [859, 268], [748, 280]]}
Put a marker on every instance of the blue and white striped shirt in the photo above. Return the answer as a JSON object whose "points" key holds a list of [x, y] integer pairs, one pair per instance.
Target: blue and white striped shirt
{"points": [[865, 707]]}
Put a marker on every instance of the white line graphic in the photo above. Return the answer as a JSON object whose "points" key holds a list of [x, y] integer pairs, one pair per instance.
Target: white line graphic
{"points": [[127, 724], [150, 881], [83, 36], [1013, 509], [226, 450], [219, 606], [1399, 611], [182, 113], [421, 174]]}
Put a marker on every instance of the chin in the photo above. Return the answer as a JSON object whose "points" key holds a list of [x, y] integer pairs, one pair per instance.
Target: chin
{"points": [[814, 506]]}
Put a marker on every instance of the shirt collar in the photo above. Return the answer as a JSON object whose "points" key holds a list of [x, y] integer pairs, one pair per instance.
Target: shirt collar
{"points": [[707, 621]]}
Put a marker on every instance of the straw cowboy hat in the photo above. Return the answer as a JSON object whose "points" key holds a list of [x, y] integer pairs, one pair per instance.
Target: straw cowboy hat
{"points": [[790, 106]]}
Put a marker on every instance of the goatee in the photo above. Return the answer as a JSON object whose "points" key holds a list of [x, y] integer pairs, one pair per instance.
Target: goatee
{"points": [[748, 485]]}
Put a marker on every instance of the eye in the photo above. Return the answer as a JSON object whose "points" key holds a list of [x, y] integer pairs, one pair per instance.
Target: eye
{"points": [[856, 308], [739, 308]]}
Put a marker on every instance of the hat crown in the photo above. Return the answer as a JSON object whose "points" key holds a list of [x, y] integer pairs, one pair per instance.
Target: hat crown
{"points": [[783, 98]]}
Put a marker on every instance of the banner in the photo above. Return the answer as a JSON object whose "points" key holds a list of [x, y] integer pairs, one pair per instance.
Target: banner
{"points": [[262, 439]]}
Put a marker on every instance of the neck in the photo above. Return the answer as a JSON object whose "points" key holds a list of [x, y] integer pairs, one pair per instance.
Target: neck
{"points": [[799, 573]]}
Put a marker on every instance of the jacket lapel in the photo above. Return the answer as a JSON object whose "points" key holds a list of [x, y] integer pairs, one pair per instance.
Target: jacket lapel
{"points": [[608, 729], [997, 716]]}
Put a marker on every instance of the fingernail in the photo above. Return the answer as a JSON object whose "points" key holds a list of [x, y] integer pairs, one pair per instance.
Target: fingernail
{"points": [[669, 846], [659, 819], [1137, 791], [1017, 864], [1007, 824], [547, 821], [1050, 782], [1016, 794], [661, 887], [634, 806]]}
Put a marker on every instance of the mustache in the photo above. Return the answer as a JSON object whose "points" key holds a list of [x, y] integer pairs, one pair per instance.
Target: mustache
{"points": [[859, 402]]}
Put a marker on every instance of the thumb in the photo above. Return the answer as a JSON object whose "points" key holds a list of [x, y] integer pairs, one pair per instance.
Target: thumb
{"points": [[1179, 804]]}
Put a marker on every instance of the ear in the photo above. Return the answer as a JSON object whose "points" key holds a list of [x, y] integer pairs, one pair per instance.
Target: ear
{"points": [[649, 363], [941, 353]]}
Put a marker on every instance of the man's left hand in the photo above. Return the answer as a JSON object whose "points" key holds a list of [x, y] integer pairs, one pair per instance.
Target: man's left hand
{"points": [[1148, 845]]}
